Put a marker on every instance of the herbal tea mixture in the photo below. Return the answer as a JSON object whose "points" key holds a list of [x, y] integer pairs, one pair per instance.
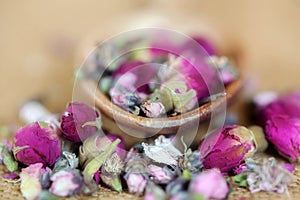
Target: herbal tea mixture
{"points": [[55, 156], [159, 76], [73, 155]]}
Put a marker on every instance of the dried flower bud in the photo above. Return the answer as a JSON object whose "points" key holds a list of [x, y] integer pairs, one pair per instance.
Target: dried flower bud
{"points": [[37, 143], [136, 168], [136, 183], [143, 74], [163, 45], [30, 184], [79, 121], [228, 148], [269, 176], [66, 183], [284, 133], [111, 170], [92, 166], [98, 143], [153, 109], [287, 104], [159, 174], [210, 184], [125, 98]]}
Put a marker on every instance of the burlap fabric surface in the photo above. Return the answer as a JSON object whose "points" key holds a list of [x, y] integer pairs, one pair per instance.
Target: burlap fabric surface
{"points": [[10, 190]]}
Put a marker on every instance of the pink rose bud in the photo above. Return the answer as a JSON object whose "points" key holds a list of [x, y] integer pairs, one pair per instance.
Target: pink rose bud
{"points": [[153, 109], [79, 121], [136, 183], [164, 45], [37, 143], [229, 148], [284, 133], [144, 73], [210, 184], [287, 104], [66, 183], [159, 174]]}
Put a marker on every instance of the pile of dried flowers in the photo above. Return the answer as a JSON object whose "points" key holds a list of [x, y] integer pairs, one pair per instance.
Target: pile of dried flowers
{"points": [[73, 155], [165, 79], [68, 155]]}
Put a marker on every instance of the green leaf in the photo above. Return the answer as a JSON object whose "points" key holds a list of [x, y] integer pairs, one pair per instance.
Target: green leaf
{"points": [[241, 179]]}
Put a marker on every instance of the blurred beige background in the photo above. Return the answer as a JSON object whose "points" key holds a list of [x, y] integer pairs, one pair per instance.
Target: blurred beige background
{"points": [[42, 42]]}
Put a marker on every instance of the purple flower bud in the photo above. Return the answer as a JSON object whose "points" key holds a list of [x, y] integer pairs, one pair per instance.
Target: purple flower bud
{"points": [[164, 45], [284, 133], [153, 109], [65, 183], [159, 174], [228, 148], [287, 104], [136, 168], [37, 144], [210, 184], [142, 72], [199, 76], [79, 121], [136, 183]]}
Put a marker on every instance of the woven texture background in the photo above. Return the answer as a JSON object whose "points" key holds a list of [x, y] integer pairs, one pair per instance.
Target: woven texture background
{"points": [[10, 190]]}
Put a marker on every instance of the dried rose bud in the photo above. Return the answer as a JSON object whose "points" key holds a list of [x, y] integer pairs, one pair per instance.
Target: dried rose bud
{"points": [[37, 143], [229, 148], [66, 183], [136, 168], [136, 183], [30, 181], [193, 74], [114, 165], [111, 170], [173, 95], [143, 73], [159, 175], [79, 121], [210, 184], [153, 109], [163, 45], [269, 104], [284, 133]]}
